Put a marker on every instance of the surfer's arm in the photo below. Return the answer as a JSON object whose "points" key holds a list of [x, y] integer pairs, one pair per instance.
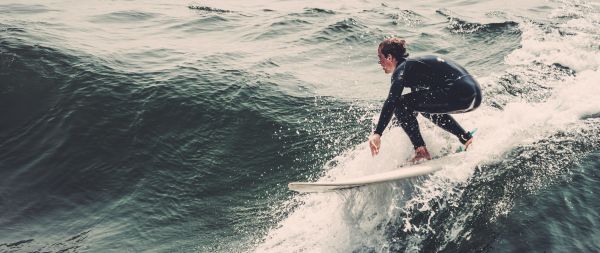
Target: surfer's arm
{"points": [[389, 105]]}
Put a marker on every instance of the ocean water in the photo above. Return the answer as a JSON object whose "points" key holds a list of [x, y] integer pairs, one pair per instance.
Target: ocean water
{"points": [[139, 126]]}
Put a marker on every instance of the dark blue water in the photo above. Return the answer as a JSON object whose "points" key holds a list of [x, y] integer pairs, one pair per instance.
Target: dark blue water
{"points": [[145, 127]]}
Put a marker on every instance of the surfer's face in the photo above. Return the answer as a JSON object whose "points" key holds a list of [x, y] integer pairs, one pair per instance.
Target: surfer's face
{"points": [[387, 63]]}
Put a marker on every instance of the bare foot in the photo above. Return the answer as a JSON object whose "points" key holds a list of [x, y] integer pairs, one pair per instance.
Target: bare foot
{"points": [[421, 153], [468, 143]]}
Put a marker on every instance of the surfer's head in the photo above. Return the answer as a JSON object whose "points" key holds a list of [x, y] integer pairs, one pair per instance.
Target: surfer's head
{"points": [[390, 52]]}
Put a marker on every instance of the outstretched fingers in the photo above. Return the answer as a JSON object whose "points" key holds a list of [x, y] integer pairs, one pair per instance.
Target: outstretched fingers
{"points": [[374, 148]]}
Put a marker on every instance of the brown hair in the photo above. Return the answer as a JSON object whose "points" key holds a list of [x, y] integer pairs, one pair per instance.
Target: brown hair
{"points": [[394, 46]]}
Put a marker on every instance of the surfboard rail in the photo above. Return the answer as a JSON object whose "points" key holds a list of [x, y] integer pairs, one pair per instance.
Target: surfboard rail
{"points": [[384, 177]]}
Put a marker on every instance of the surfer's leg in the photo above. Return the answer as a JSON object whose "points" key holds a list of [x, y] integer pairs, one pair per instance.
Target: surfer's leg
{"points": [[462, 95], [434, 105], [407, 119], [448, 123]]}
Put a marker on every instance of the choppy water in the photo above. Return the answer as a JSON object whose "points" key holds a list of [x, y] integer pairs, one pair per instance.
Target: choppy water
{"points": [[153, 127]]}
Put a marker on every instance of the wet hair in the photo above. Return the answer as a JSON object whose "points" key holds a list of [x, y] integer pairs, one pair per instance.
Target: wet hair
{"points": [[394, 46]]}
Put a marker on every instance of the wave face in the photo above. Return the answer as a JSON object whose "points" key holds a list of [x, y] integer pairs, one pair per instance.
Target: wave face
{"points": [[167, 127]]}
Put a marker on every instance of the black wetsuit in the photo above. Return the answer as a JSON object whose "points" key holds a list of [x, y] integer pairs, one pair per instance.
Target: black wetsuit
{"points": [[439, 86]]}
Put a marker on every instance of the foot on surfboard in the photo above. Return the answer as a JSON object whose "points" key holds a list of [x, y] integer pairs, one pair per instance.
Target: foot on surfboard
{"points": [[421, 153], [466, 140]]}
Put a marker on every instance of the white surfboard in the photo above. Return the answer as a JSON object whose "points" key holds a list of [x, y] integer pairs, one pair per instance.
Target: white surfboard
{"points": [[397, 174]]}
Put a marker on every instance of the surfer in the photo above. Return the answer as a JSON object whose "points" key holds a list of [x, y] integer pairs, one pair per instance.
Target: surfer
{"points": [[438, 87]]}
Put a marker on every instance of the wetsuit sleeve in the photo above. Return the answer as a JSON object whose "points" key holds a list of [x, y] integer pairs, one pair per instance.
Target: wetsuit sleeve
{"points": [[390, 104]]}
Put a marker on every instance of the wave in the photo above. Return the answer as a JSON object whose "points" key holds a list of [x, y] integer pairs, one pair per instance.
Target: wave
{"points": [[30, 81], [314, 12], [204, 24], [533, 83], [408, 17], [280, 28], [292, 23], [349, 30], [56, 104], [212, 20], [458, 25], [465, 220], [344, 26], [208, 9], [124, 16], [108, 135], [25, 8]]}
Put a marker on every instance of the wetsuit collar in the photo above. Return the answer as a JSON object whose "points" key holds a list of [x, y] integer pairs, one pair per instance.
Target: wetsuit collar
{"points": [[400, 61]]}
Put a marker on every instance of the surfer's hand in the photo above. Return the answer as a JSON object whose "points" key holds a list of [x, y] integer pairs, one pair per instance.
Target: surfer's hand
{"points": [[374, 143]]}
